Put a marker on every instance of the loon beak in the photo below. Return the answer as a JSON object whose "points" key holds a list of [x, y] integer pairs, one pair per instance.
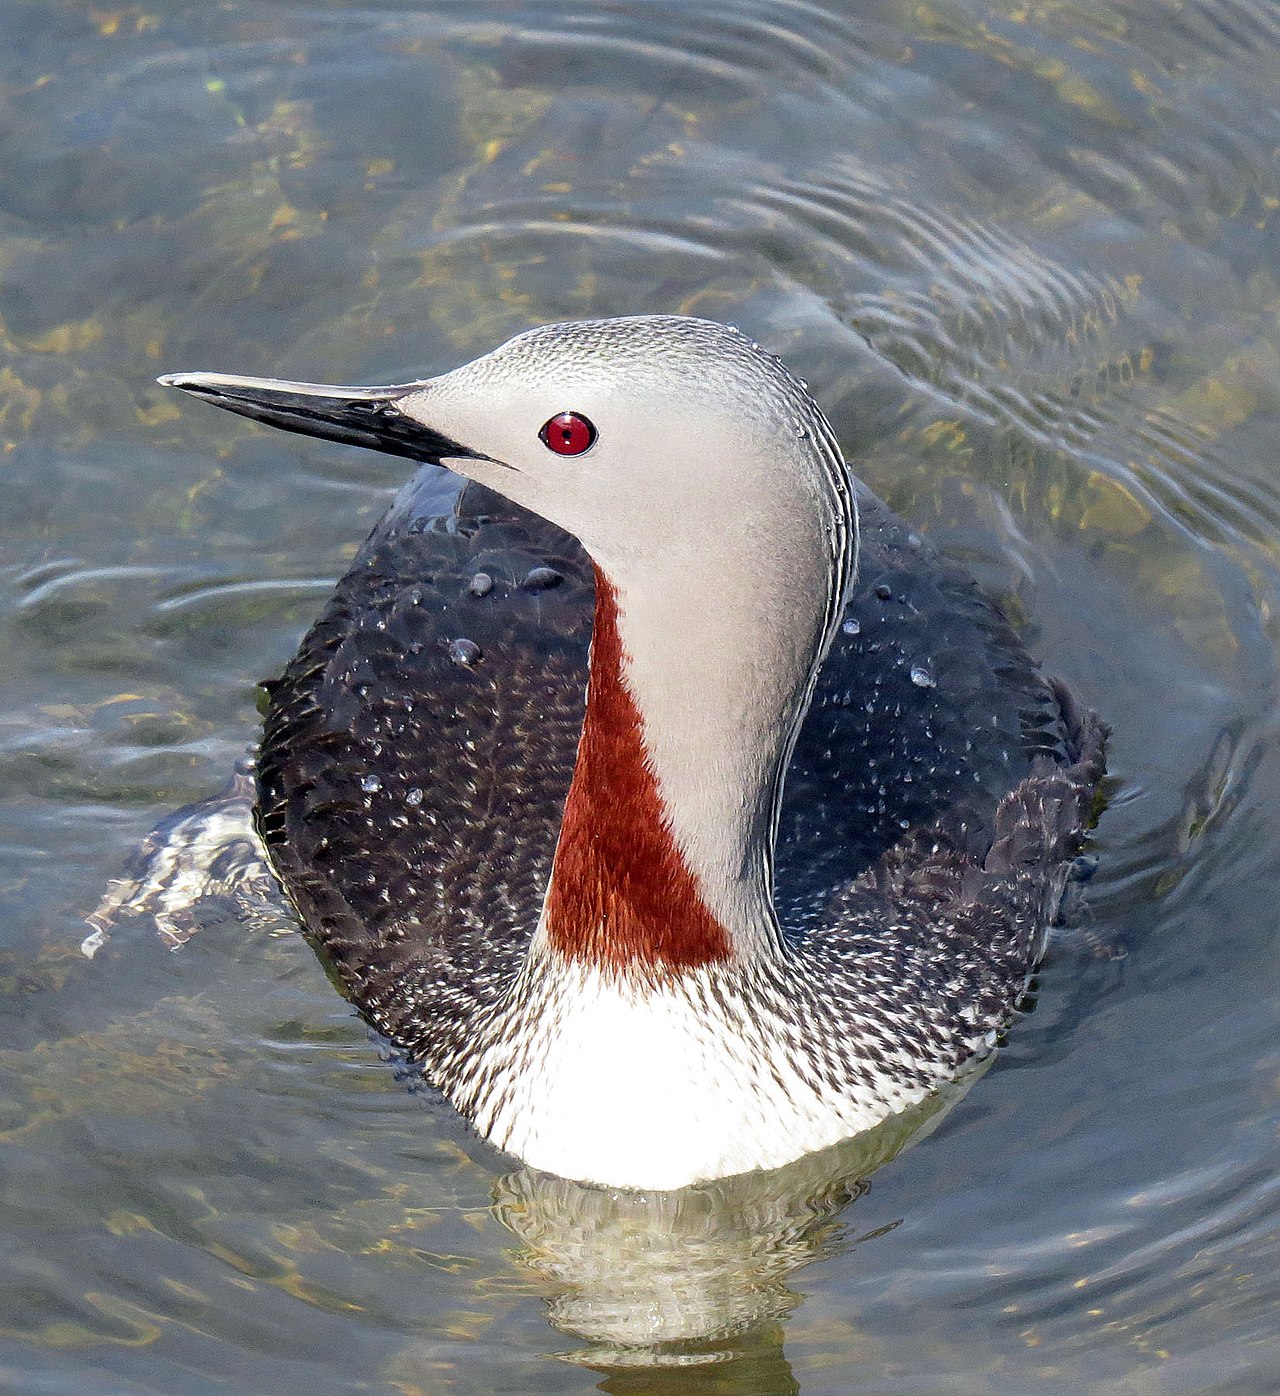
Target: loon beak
{"points": [[355, 416]]}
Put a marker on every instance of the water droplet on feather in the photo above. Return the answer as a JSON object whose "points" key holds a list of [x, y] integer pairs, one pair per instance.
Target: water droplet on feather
{"points": [[464, 652]]}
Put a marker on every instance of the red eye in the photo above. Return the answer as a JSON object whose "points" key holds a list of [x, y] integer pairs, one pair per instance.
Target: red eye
{"points": [[568, 434]]}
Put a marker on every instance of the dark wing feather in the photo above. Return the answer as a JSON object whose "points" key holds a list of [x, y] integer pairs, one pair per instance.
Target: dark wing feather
{"points": [[927, 712], [411, 786]]}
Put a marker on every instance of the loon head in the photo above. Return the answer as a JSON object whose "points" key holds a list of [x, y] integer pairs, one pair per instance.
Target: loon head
{"points": [[706, 486], [612, 429]]}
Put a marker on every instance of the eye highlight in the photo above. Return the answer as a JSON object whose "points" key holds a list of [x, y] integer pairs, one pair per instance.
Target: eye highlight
{"points": [[568, 434]]}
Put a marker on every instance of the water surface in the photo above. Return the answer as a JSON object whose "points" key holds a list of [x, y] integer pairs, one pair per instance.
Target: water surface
{"points": [[1026, 257]]}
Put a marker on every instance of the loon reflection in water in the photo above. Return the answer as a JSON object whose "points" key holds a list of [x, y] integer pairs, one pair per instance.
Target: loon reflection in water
{"points": [[677, 807]]}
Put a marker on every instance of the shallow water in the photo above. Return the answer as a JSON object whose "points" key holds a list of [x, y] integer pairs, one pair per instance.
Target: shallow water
{"points": [[1026, 256]]}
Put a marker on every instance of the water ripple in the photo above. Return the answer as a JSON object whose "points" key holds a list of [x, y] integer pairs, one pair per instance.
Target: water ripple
{"points": [[218, 592]]}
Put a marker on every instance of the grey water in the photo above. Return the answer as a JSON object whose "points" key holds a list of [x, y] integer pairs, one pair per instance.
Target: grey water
{"points": [[1026, 255]]}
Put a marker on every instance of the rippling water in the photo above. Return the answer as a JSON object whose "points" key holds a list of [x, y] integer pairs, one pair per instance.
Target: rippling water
{"points": [[1026, 256]]}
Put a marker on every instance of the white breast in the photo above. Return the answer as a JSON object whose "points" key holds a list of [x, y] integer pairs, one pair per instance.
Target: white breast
{"points": [[611, 1083]]}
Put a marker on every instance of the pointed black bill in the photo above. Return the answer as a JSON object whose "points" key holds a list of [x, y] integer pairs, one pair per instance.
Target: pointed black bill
{"points": [[356, 416]]}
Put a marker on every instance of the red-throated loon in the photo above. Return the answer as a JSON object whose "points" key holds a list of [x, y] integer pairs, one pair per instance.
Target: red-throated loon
{"points": [[781, 873]]}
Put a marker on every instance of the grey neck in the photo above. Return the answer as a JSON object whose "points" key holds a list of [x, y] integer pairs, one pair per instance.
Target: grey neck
{"points": [[722, 650]]}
